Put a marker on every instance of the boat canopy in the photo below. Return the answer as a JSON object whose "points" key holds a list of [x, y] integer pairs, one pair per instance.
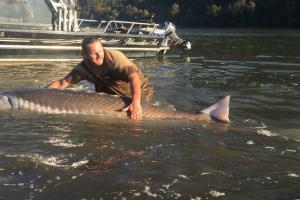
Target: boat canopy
{"points": [[25, 11]]}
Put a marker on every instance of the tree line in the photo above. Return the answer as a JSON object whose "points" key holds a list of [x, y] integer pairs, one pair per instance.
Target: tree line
{"points": [[197, 13]]}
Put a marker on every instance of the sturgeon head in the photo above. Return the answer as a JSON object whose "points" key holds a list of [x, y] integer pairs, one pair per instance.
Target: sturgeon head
{"points": [[4, 103], [8, 102]]}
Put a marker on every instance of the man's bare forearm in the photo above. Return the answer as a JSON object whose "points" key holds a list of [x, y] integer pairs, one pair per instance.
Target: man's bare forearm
{"points": [[135, 85], [135, 106]]}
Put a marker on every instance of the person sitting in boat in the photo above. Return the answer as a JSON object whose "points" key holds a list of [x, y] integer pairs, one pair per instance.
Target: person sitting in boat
{"points": [[111, 72]]}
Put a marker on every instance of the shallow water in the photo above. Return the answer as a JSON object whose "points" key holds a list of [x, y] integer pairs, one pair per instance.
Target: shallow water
{"points": [[93, 157]]}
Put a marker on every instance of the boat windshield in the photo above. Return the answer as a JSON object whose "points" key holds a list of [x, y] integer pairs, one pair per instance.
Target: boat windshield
{"points": [[24, 11]]}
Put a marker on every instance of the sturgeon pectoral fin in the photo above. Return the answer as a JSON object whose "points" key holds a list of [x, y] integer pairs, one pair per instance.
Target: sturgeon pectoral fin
{"points": [[220, 110]]}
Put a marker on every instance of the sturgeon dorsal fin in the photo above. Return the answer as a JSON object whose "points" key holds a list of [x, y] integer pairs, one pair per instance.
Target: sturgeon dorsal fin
{"points": [[220, 110]]}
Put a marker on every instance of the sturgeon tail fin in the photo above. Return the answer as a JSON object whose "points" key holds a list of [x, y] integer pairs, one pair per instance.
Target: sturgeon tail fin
{"points": [[219, 111]]}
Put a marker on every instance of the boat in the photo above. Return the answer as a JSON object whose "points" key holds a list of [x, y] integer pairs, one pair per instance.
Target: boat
{"points": [[51, 30]]}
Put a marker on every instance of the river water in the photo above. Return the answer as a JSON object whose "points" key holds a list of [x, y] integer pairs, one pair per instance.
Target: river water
{"points": [[44, 156]]}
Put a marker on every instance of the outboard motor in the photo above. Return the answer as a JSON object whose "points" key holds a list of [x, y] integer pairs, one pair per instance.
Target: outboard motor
{"points": [[170, 33]]}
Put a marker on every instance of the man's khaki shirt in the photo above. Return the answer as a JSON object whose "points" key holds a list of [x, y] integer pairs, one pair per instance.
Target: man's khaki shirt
{"points": [[112, 76]]}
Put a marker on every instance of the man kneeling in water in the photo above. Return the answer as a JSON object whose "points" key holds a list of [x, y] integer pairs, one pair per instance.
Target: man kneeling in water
{"points": [[111, 72]]}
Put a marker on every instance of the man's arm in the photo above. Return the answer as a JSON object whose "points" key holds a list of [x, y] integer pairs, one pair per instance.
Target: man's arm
{"points": [[135, 106], [71, 78], [59, 84]]}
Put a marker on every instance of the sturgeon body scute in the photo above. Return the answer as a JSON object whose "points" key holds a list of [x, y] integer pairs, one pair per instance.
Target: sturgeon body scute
{"points": [[74, 102]]}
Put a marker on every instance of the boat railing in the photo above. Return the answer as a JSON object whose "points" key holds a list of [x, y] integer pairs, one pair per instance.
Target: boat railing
{"points": [[118, 26], [87, 22], [128, 27]]}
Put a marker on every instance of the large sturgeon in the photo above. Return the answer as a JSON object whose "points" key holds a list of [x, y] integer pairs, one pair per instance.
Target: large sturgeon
{"points": [[72, 102]]}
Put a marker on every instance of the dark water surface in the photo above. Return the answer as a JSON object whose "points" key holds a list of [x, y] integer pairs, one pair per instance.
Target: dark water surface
{"points": [[95, 157]]}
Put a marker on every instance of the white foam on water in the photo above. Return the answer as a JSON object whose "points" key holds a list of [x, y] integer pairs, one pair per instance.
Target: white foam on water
{"points": [[266, 133], [263, 56], [162, 190], [250, 142], [31, 186], [136, 194], [167, 186], [79, 163], [183, 176], [176, 195], [10, 184], [156, 103], [63, 142], [205, 173], [149, 193], [288, 151], [294, 175], [268, 178], [269, 147], [291, 150], [50, 161], [196, 198], [11, 156], [215, 193], [261, 129]]}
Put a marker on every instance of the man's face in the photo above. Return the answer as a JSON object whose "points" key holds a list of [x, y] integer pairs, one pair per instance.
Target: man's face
{"points": [[95, 53]]}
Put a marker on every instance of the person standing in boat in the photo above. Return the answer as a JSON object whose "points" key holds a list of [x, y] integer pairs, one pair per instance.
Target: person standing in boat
{"points": [[111, 72]]}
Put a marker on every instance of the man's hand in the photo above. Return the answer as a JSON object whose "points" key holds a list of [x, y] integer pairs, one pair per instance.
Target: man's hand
{"points": [[135, 106], [135, 110]]}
